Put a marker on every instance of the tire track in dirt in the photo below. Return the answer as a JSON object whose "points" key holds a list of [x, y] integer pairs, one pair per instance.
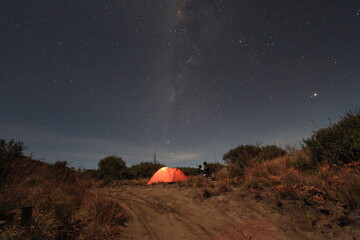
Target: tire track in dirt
{"points": [[164, 212], [135, 208], [170, 212]]}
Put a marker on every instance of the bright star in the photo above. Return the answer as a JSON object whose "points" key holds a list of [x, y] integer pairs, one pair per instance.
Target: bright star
{"points": [[314, 95]]}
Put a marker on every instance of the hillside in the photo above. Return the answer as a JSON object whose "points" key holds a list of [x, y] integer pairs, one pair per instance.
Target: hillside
{"points": [[262, 192]]}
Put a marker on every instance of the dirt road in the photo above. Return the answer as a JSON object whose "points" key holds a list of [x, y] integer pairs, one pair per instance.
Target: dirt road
{"points": [[171, 212]]}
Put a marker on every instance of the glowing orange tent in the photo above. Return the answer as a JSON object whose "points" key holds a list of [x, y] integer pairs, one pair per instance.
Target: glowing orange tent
{"points": [[166, 174]]}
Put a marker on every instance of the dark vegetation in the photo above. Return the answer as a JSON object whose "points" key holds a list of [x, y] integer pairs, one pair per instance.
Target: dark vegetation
{"points": [[189, 171], [321, 180], [244, 155], [337, 144], [144, 170], [63, 205], [9, 152], [319, 184], [113, 168]]}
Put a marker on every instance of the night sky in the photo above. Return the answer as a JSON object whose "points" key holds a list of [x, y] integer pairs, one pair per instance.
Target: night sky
{"points": [[189, 79]]}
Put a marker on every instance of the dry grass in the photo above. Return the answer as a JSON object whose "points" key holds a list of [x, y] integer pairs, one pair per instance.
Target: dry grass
{"points": [[222, 174], [63, 208], [222, 187], [332, 182], [129, 182], [214, 189], [196, 181], [334, 190], [100, 216]]}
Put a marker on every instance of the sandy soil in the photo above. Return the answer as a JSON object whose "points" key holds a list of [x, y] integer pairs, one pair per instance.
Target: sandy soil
{"points": [[168, 211]]}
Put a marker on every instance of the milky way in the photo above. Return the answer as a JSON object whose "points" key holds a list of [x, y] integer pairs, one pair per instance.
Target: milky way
{"points": [[181, 80], [189, 79]]}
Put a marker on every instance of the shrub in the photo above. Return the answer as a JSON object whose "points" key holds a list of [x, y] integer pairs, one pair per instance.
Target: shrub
{"points": [[271, 151], [303, 164], [337, 144], [11, 149], [349, 193], [246, 155], [234, 170], [189, 171], [112, 168], [90, 173], [242, 154], [11, 198], [62, 172], [9, 152], [63, 208], [215, 167], [223, 173], [144, 169]]}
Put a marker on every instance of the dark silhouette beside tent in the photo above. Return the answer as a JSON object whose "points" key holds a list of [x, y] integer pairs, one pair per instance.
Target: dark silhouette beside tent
{"points": [[166, 174]]}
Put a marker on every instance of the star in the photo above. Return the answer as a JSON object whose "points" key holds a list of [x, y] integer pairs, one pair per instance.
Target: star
{"points": [[314, 95], [172, 75]]}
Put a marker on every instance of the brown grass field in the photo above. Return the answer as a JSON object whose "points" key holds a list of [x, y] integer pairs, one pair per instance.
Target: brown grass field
{"points": [[272, 200]]}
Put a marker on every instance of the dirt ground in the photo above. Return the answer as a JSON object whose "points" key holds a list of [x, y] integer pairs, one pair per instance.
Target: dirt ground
{"points": [[171, 212]]}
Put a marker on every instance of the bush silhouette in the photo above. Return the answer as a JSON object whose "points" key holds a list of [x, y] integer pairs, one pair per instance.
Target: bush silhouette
{"points": [[242, 154], [144, 169], [112, 168], [190, 171], [9, 152], [271, 152], [245, 155], [61, 171], [215, 167], [337, 144]]}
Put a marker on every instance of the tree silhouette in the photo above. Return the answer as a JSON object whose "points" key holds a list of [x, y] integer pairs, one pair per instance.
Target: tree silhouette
{"points": [[112, 168]]}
